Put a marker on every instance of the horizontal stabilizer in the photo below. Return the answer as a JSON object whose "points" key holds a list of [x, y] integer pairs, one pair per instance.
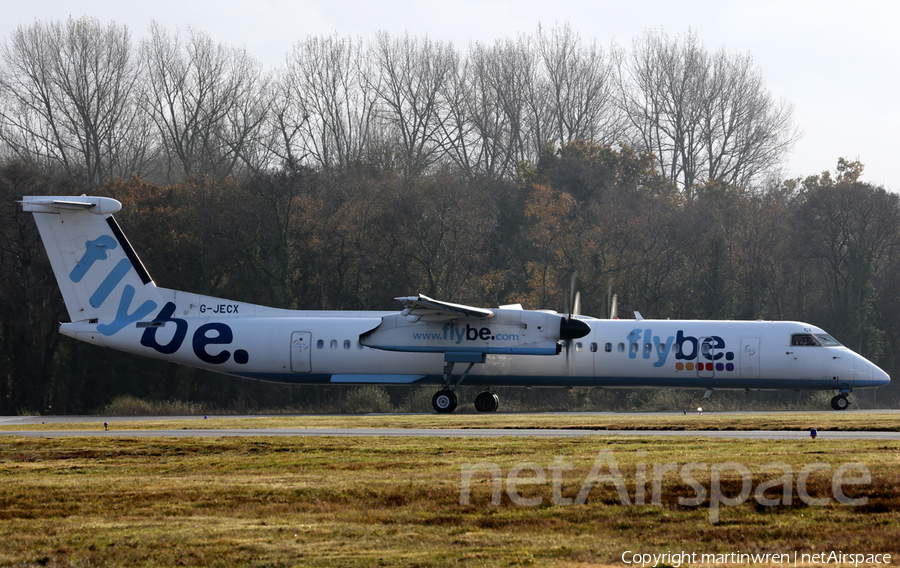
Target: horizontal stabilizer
{"points": [[96, 205]]}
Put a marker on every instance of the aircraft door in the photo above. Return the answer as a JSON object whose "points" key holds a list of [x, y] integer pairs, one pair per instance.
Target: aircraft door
{"points": [[300, 347], [749, 357], [705, 357]]}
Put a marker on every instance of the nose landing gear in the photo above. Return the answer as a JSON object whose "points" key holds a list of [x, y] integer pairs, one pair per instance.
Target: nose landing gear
{"points": [[840, 402]]}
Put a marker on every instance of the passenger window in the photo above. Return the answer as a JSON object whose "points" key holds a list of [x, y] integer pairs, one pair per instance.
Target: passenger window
{"points": [[578, 346], [608, 347], [803, 340], [634, 347], [648, 347], [359, 345], [676, 348], [621, 348], [593, 347], [334, 343], [320, 344], [346, 344]]}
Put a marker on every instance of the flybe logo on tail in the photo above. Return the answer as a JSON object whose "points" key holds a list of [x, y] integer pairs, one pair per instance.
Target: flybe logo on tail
{"points": [[708, 352], [96, 251], [204, 339]]}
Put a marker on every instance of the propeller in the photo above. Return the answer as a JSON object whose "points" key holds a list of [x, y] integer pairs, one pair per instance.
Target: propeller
{"points": [[612, 300], [570, 327], [570, 298]]}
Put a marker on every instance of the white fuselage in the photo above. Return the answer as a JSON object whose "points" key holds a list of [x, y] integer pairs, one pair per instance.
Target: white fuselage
{"points": [[323, 347]]}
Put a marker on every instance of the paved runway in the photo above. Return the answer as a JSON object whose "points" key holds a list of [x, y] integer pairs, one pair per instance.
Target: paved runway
{"points": [[98, 418], [453, 433], [410, 432]]}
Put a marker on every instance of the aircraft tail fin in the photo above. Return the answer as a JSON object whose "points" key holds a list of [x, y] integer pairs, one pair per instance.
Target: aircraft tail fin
{"points": [[98, 272]]}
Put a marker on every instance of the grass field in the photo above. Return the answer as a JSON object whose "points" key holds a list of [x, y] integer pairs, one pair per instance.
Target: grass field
{"points": [[273, 501]]}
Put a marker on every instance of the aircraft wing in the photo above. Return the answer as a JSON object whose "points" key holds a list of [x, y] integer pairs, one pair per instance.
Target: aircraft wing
{"points": [[419, 307]]}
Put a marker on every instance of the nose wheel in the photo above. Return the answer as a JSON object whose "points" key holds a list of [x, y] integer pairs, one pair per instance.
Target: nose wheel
{"points": [[840, 402]]}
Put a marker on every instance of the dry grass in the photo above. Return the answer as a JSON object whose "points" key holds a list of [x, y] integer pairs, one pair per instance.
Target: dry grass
{"points": [[396, 501]]}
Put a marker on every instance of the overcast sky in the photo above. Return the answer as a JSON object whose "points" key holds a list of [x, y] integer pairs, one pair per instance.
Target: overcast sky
{"points": [[837, 62]]}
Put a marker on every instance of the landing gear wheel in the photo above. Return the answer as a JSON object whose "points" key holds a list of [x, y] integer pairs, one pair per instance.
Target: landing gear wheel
{"points": [[486, 402], [444, 402], [840, 402]]}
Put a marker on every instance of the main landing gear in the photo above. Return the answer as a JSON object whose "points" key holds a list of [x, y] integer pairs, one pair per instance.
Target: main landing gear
{"points": [[445, 401], [486, 402], [840, 402]]}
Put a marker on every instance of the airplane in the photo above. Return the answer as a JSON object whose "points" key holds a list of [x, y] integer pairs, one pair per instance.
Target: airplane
{"points": [[113, 302]]}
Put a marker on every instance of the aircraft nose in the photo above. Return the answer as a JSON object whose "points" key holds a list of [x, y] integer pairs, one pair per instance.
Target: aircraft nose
{"points": [[879, 377]]}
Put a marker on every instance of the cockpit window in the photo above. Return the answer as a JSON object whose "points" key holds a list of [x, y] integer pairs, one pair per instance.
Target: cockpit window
{"points": [[803, 339], [826, 340]]}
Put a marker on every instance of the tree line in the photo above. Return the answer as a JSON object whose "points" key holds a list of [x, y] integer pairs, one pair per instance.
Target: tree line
{"points": [[821, 249], [363, 172], [81, 98]]}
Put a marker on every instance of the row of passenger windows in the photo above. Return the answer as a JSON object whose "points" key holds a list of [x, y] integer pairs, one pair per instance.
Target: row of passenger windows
{"points": [[579, 346], [635, 347], [799, 339], [320, 344], [347, 344]]}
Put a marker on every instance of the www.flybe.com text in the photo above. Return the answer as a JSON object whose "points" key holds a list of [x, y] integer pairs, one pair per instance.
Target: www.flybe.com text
{"points": [[451, 332]]}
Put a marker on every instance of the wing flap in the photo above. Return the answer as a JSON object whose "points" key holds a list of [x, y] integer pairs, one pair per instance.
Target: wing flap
{"points": [[420, 307]]}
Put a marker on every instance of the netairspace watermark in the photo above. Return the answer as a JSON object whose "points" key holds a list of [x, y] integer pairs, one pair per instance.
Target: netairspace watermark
{"points": [[605, 470], [677, 559]]}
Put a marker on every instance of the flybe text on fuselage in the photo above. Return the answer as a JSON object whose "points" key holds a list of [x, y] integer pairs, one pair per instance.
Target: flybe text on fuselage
{"points": [[457, 334], [685, 347], [212, 333]]}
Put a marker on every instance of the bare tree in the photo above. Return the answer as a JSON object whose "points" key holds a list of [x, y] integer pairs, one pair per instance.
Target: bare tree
{"points": [[326, 105], [68, 99], [208, 101], [410, 76], [705, 117], [745, 133], [491, 108], [578, 80]]}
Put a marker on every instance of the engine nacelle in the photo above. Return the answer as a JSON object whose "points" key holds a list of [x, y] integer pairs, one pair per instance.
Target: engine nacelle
{"points": [[507, 332]]}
